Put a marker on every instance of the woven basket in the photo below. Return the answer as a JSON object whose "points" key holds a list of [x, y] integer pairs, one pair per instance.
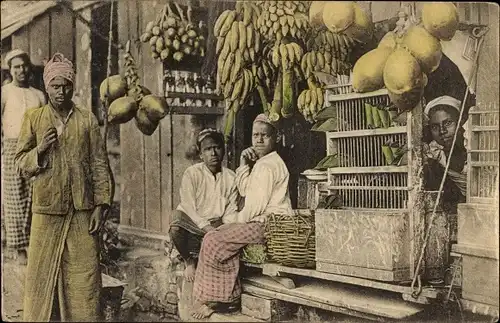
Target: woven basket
{"points": [[291, 240]]}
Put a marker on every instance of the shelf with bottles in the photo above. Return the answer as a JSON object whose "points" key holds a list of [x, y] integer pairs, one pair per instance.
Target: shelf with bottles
{"points": [[186, 92]]}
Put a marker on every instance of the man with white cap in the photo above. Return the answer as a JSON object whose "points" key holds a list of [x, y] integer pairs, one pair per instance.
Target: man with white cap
{"points": [[206, 195], [262, 179], [443, 114], [17, 97], [60, 145]]}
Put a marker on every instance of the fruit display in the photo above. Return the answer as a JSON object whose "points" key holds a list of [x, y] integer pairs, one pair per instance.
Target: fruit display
{"points": [[270, 47], [407, 55], [172, 37], [128, 99]]}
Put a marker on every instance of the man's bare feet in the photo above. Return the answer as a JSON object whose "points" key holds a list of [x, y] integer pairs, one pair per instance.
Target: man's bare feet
{"points": [[190, 270], [22, 257], [202, 312]]}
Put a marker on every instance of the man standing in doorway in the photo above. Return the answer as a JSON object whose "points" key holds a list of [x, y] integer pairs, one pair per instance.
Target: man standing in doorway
{"points": [[205, 197], [60, 145], [17, 97]]}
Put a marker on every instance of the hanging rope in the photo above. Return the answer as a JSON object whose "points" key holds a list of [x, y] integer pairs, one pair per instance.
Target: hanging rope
{"points": [[416, 276]]}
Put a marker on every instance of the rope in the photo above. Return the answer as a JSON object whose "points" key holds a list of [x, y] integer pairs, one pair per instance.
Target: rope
{"points": [[441, 186]]}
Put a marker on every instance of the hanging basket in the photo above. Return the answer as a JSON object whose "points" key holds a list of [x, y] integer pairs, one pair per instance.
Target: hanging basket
{"points": [[291, 239]]}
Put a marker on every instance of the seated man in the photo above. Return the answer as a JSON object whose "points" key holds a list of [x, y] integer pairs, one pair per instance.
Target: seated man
{"points": [[204, 193], [262, 179]]}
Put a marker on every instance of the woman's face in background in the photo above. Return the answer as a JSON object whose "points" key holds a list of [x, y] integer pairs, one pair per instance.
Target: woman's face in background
{"points": [[443, 125]]}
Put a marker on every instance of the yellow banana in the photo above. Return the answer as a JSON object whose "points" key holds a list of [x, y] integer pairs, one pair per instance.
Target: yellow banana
{"points": [[335, 68], [226, 48], [246, 87], [228, 22], [227, 67], [250, 34], [314, 101], [235, 69], [320, 61], [220, 44], [234, 36], [307, 98], [329, 38], [228, 88], [284, 56], [247, 14], [242, 32], [291, 53], [291, 21], [252, 53], [238, 86], [276, 56], [336, 45], [298, 51], [256, 45], [321, 98], [303, 63], [276, 26], [283, 21], [220, 22]]}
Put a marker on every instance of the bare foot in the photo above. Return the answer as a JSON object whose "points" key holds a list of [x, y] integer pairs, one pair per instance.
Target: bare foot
{"points": [[22, 257], [190, 271], [202, 312]]}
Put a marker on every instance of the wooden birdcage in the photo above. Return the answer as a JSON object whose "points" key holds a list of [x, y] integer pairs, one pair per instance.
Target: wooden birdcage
{"points": [[378, 231], [483, 148]]}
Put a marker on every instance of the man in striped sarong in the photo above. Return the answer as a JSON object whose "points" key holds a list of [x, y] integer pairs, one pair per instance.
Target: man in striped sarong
{"points": [[17, 97], [61, 146], [262, 179]]}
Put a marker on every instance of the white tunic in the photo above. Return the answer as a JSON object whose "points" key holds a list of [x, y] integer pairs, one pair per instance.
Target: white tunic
{"points": [[265, 189], [206, 197], [15, 102]]}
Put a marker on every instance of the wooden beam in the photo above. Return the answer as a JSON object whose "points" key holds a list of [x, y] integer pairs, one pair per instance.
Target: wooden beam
{"points": [[83, 57], [38, 38], [62, 32], [152, 74]]}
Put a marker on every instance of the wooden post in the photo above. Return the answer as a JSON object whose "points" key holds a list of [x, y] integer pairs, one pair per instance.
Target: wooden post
{"points": [[83, 57]]}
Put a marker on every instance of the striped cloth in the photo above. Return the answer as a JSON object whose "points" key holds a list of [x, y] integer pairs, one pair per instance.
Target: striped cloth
{"points": [[216, 277], [16, 199]]}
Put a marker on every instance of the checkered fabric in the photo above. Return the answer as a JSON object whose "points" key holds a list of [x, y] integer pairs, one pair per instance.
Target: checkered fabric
{"points": [[16, 199], [216, 277]]}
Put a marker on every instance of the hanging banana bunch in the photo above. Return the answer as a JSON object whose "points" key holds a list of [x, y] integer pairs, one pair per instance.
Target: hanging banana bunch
{"points": [[311, 100]]}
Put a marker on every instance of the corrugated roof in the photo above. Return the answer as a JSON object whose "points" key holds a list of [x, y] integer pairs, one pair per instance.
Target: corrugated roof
{"points": [[16, 14]]}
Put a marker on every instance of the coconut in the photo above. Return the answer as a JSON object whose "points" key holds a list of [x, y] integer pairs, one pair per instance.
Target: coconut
{"points": [[362, 27], [117, 88], [316, 13], [122, 110], [389, 40], [424, 47], [144, 124], [440, 19], [368, 72], [338, 15], [156, 107], [402, 72]]}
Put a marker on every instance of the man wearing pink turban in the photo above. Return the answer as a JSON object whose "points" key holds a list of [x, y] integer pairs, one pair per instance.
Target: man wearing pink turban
{"points": [[60, 145], [262, 179]]}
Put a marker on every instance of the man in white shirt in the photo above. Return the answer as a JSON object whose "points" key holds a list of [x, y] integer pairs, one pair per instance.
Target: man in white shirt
{"points": [[262, 179], [17, 97], [205, 197]]}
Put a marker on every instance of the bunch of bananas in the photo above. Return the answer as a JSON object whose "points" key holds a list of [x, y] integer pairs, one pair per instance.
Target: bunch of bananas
{"points": [[171, 36], [286, 55], [316, 61], [282, 18], [311, 100], [338, 45]]}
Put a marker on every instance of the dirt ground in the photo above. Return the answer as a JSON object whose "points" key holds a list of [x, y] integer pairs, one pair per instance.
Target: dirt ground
{"points": [[12, 290]]}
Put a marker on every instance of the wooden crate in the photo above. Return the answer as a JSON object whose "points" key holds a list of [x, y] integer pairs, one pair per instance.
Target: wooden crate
{"points": [[376, 244], [480, 270]]}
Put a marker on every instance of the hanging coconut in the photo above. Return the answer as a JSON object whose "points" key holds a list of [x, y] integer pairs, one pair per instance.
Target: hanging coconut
{"points": [[117, 88], [408, 100], [402, 72], [155, 107], [368, 72], [316, 13], [424, 47], [362, 27], [122, 110], [338, 15], [440, 19], [144, 124]]}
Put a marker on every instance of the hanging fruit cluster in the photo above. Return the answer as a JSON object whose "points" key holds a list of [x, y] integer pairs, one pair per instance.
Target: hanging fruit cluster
{"points": [[405, 57], [128, 99], [171, 36], [269, 46]]}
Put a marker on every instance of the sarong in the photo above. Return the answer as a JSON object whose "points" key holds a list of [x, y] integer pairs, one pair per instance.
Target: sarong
{"points": [[219, 262], [16, 199], [185, 235], [63, 260]]}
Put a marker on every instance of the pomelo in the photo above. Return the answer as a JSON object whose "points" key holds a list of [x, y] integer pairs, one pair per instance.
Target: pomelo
{"points": [[368, 72], [338, 15], [440, 19], [424, 47]]}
